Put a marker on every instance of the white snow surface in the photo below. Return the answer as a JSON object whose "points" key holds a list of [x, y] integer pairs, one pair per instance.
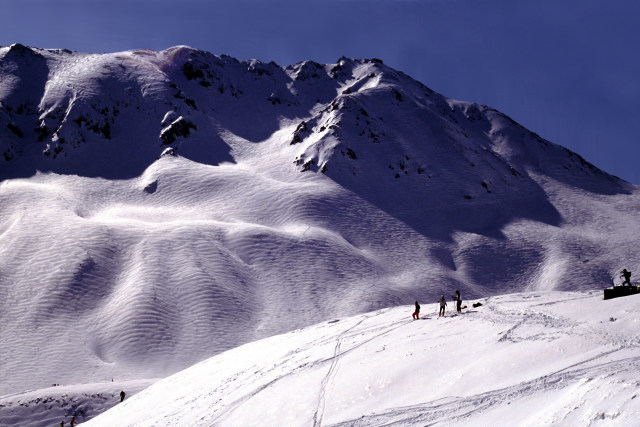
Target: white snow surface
{"points": [[158, 208], [526, 359], [536, 358]]}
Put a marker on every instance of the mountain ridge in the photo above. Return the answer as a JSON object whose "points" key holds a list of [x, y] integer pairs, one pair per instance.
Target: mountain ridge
{"points": [[109, 74]]}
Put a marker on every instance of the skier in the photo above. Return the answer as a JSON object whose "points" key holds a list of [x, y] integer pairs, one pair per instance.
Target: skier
{"points": [[416, 314], [73, 421], [458, 301], [627, 277], [122, 396], [443, 304]]}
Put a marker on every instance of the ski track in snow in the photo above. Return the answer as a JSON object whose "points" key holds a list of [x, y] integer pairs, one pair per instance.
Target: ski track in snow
{"points": [[317, 416], [461, 410], [333, 361]]}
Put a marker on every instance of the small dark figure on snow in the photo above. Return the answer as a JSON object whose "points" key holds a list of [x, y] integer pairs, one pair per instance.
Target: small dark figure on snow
{"points": [[416, 314], [121, 396], [61, 423], [73, 421], [626, 275], [443, 304], [458, 301]]}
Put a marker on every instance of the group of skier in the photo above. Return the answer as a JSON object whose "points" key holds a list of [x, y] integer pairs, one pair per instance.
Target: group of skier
{"points": [[443, 303], [625, 275]]}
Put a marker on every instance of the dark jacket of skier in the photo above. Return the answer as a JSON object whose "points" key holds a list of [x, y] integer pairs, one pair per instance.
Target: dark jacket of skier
{"points": [[626, 275], [416, 314]]}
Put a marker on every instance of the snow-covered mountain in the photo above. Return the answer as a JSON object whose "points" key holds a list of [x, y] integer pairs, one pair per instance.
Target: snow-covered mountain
{"points": [[157, 208]]}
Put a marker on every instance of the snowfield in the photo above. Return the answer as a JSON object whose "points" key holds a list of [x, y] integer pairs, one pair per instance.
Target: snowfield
{"points": [[160, 208], [526, 359], [537, 358]]}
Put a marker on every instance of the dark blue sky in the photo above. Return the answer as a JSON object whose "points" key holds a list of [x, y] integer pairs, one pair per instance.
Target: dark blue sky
{"points": [[568, 70]]}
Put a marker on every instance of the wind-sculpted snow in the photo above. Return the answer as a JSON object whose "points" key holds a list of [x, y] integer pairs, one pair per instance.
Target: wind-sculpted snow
{"points": [[521, 359], [172, 276], [157, 208]]}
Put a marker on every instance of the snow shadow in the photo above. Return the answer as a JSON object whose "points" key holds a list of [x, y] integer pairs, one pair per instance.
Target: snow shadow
{"points": [[116, 159], [437, 214]]}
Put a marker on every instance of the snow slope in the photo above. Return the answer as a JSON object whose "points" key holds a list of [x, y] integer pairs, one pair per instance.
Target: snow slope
{"points": [[50, 406], [157, 208], [537, 358]]}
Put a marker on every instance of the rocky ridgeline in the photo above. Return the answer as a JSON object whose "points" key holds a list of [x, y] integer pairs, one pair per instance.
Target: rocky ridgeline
{"points": [[59, 110]]}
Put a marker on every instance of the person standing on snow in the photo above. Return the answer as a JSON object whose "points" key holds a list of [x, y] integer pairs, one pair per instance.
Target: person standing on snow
{"points": [[458, 302], [416, 314], [122, 396], [443, 304], [627, 277]]}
